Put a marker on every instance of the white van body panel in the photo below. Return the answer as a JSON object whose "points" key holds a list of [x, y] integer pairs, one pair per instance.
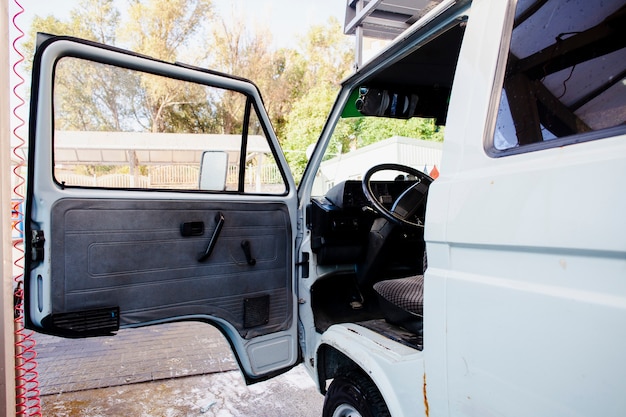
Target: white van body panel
{"points": [[397, 370], [527, 260], [510, 287]]}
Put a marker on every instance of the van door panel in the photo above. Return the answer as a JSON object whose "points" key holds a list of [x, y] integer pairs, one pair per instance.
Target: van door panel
{"points": [[132, 254], [149, 245]]}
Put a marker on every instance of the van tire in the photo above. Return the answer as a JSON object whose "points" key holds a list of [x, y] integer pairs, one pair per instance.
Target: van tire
{"points": [[354, 395]]}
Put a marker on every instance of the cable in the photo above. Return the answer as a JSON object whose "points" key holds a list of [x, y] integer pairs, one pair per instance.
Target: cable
{"points": [[27, 394]]}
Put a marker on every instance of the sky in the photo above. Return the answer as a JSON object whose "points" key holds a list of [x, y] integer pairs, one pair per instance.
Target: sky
{"points": [[287, 19]]}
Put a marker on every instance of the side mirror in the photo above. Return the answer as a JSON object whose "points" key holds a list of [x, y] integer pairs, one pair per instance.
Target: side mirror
{"points": [[213, 170]]}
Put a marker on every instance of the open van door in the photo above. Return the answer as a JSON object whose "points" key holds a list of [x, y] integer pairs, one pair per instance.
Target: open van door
{"points": [[120, 230]]}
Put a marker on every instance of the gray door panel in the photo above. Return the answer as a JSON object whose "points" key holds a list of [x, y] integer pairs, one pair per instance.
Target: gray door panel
{"points": [[133, 255]]}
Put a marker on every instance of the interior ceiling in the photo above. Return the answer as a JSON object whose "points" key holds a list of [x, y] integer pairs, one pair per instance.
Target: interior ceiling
{"points": [[433, 64]]}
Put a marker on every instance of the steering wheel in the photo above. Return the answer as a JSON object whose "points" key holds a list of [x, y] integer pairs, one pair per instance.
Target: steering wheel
{"points": [[407, 203]]}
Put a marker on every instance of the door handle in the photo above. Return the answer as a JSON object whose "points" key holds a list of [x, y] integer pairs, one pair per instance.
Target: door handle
{"points": [[245, 245], [219, 219]]}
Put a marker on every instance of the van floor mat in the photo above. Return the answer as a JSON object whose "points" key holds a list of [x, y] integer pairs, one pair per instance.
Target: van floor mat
{"points": [[395, 333]]}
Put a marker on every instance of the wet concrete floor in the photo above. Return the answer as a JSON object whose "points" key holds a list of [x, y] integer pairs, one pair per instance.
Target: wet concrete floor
{"points": [[214, 395], [178, 369]]}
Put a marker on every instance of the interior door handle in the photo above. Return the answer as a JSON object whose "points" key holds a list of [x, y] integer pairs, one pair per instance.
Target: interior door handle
{"points": [[219, 219], [245, 245]]}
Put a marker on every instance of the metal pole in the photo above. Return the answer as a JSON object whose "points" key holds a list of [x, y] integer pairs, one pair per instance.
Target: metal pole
{"points": [[358, 53]]}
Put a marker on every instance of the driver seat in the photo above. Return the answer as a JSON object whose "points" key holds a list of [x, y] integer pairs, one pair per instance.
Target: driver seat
{"points": [[402, 301]]}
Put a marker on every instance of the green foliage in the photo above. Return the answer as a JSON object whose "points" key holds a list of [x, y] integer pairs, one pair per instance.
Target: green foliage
{"points": [[85, 101], [329, 53], [329, 58], [370, 130], [162, 28], [96, 20], [304, 124], [325, 60], [309, 116]]}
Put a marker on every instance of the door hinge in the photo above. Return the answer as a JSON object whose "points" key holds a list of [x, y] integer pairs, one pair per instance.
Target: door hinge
{"points": [[36, 245], [304, 263]]}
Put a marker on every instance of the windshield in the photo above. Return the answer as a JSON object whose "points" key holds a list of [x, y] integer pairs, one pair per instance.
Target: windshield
{"points": [[397, 115], [359, 143]]}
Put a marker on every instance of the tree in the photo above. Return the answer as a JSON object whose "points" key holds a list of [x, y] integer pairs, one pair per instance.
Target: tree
{"points": [[163, 29], [326, 59], [304, 125], [329, 54], [246, 51], [91, 99], [85, 99], [322, 60], [370, 130], [96, 20], [84, 94]]}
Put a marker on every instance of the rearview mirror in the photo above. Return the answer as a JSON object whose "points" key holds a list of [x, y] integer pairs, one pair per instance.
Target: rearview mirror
{"points": [[213, 170]]}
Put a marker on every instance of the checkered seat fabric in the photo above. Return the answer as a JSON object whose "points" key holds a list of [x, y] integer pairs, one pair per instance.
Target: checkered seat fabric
{"points": [[405, 293]]}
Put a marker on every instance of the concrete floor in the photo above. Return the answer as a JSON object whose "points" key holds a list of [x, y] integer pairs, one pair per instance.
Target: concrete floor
{"points": [[177, 369], [131, 356], [215, 395]]}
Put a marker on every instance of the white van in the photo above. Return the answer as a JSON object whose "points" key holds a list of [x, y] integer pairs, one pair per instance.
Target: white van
{"points": [[497, 289]]}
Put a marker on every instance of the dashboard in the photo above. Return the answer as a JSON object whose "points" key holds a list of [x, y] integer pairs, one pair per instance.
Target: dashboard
{"points": [[340, 221]]}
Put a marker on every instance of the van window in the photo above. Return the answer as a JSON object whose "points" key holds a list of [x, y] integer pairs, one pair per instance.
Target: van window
{"points": [[126, 129], [565, 75]]}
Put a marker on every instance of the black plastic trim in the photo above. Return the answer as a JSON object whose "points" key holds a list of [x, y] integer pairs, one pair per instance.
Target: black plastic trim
{"points": [[556, 143]]}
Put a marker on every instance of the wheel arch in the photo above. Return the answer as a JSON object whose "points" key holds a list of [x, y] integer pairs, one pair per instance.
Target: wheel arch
{"points": [[399, 376], [331, 363]]}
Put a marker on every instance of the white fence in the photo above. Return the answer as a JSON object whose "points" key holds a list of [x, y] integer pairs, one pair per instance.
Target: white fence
{"points": [[169, 177]]}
